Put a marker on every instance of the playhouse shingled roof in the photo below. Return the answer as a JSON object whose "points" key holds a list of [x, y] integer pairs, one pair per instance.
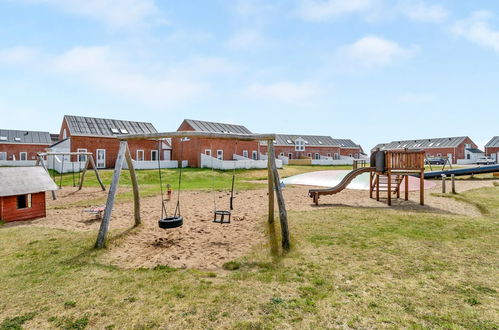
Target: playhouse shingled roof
{"points": [[493, 143], [24, 180], [24, 137], [209, 126], [447, 142], [89, 126]]}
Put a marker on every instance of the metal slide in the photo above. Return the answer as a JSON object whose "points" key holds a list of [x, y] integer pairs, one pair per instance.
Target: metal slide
{"points": [[463, 171], [315, 193]]}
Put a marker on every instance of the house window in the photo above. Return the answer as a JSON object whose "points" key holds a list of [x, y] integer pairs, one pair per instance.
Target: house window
{"points": [[24, 201], [3, 156], [290, 156], [281, 154], [468, 156], [439, 155], [245, 153], [220, 154], [64, 134], [207, 152], [309, 155], [254, 155], [82, 158], [467, 145], [140, 155], [23, 155], [336, 156], [317, 155], [299, 144], [328, 154], [154, 155]]}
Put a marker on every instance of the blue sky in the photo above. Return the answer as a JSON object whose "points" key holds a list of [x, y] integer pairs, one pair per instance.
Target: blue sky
{"points": [[369, 70]]}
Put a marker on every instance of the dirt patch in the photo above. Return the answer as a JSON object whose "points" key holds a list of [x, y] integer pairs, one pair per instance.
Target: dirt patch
{"points": [[200, 243]]}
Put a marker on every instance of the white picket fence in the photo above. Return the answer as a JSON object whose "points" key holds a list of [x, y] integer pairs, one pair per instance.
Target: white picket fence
{"points": [[153, 164], [17, 162], [344, 160], [211, 162]]}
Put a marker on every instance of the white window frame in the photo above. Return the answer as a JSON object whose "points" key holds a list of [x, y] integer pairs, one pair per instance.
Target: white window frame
{"points": [[336, 156], [254, 155], [439, 155], [154, 151], [97, 157], [207, 152], [64, 134], [220, 154], [328, 154], [299, 144], [82, 158], [3, 155], [137, 158], [21, 155], [281, 154], [309, 154], [317, 155], [245, 154], [290, 155]]}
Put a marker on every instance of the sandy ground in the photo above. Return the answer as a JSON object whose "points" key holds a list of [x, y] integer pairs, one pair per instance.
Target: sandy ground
{"points": [[200, 243]]}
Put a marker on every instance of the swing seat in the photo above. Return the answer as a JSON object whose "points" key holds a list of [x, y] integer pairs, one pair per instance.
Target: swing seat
{"points": [[221, 216], [171, 222]]}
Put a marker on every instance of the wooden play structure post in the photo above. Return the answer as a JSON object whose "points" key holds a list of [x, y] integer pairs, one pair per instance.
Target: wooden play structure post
{"points": [[453, 182], [443, 183], [89, 160], [124, 153]]}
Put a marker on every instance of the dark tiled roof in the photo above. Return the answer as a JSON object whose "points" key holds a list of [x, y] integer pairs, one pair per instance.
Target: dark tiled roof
{"points": [[208, 126], [315, 140], [474, 150], [448, 142], [88, 126], [24, 137], [494, 142]]}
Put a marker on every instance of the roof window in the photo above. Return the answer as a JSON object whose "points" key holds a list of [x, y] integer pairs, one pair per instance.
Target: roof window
{"points": [[289, 141], [17, 139], [3, 138], [320, 142], [123, 131], [115, 131]]}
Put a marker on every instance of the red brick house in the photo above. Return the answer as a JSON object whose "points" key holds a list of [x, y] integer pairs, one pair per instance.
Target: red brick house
{"points": [[218, 148], [22, 145], [98, 136], [492, 148], [313, 146], [22, 192], [456, 148]]}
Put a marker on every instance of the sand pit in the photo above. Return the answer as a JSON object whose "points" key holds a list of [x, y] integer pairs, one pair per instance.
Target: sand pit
{"points": [[200, 243]]}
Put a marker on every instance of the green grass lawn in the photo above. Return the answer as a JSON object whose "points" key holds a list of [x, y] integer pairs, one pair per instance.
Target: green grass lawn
{"points": [[349, 267], [193, 178]]}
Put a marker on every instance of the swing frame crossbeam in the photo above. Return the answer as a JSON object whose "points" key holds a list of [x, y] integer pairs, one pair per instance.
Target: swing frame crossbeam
{"points": [[89, 161], [274, 186]]}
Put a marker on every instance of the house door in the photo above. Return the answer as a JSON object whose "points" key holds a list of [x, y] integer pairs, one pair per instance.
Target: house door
{"points": [[450, 158], [101, 158], [167, 155]]}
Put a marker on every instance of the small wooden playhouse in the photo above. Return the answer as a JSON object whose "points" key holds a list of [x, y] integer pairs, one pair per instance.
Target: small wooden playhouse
{"points": [[22, 192]]}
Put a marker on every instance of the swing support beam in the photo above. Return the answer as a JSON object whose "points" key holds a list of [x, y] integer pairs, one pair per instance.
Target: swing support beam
{"points": [[89, 160], [274, 182]]}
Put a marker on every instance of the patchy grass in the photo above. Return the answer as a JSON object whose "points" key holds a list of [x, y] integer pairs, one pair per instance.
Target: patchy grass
{"points": [[349, 267]]}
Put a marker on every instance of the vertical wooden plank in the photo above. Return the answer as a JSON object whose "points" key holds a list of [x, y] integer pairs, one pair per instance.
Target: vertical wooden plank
{"points": [[54, 196], [421, 187], [270, 183], [377, 187], [398, 185], [371, 183], [91, 157], [406, 187], [104, 226], [389, 174], [453, 180], [135, 187], [84, 172], [283, 216], [443, 184]]}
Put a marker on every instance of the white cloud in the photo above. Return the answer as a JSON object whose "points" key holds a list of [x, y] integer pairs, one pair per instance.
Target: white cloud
{"points": [[371, 52], [105, 70], [247, 40], [321, 10], [285, 92], [478, 30], [421, 11], [115, 13]]}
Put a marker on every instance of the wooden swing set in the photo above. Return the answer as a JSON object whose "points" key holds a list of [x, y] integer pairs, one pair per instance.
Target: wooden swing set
{"points": [[273, 179], [89, 161]]}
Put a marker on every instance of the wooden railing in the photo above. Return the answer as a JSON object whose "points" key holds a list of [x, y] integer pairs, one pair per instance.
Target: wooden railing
{"points": [[405, 160]]}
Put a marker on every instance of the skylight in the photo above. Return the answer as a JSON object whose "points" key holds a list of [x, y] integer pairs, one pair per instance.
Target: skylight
{"points": [[123, 131], [115, 131], [3, 138], [17, 139], [289, 141], [320, 142]]}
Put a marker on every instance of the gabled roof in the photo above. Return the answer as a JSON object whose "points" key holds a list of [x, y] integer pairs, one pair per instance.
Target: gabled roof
{"points": [[24, 137], [24, 180], [474, 151], [88, 126], [493, 143], [208, 126], [314, 140], [448, 142]]}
